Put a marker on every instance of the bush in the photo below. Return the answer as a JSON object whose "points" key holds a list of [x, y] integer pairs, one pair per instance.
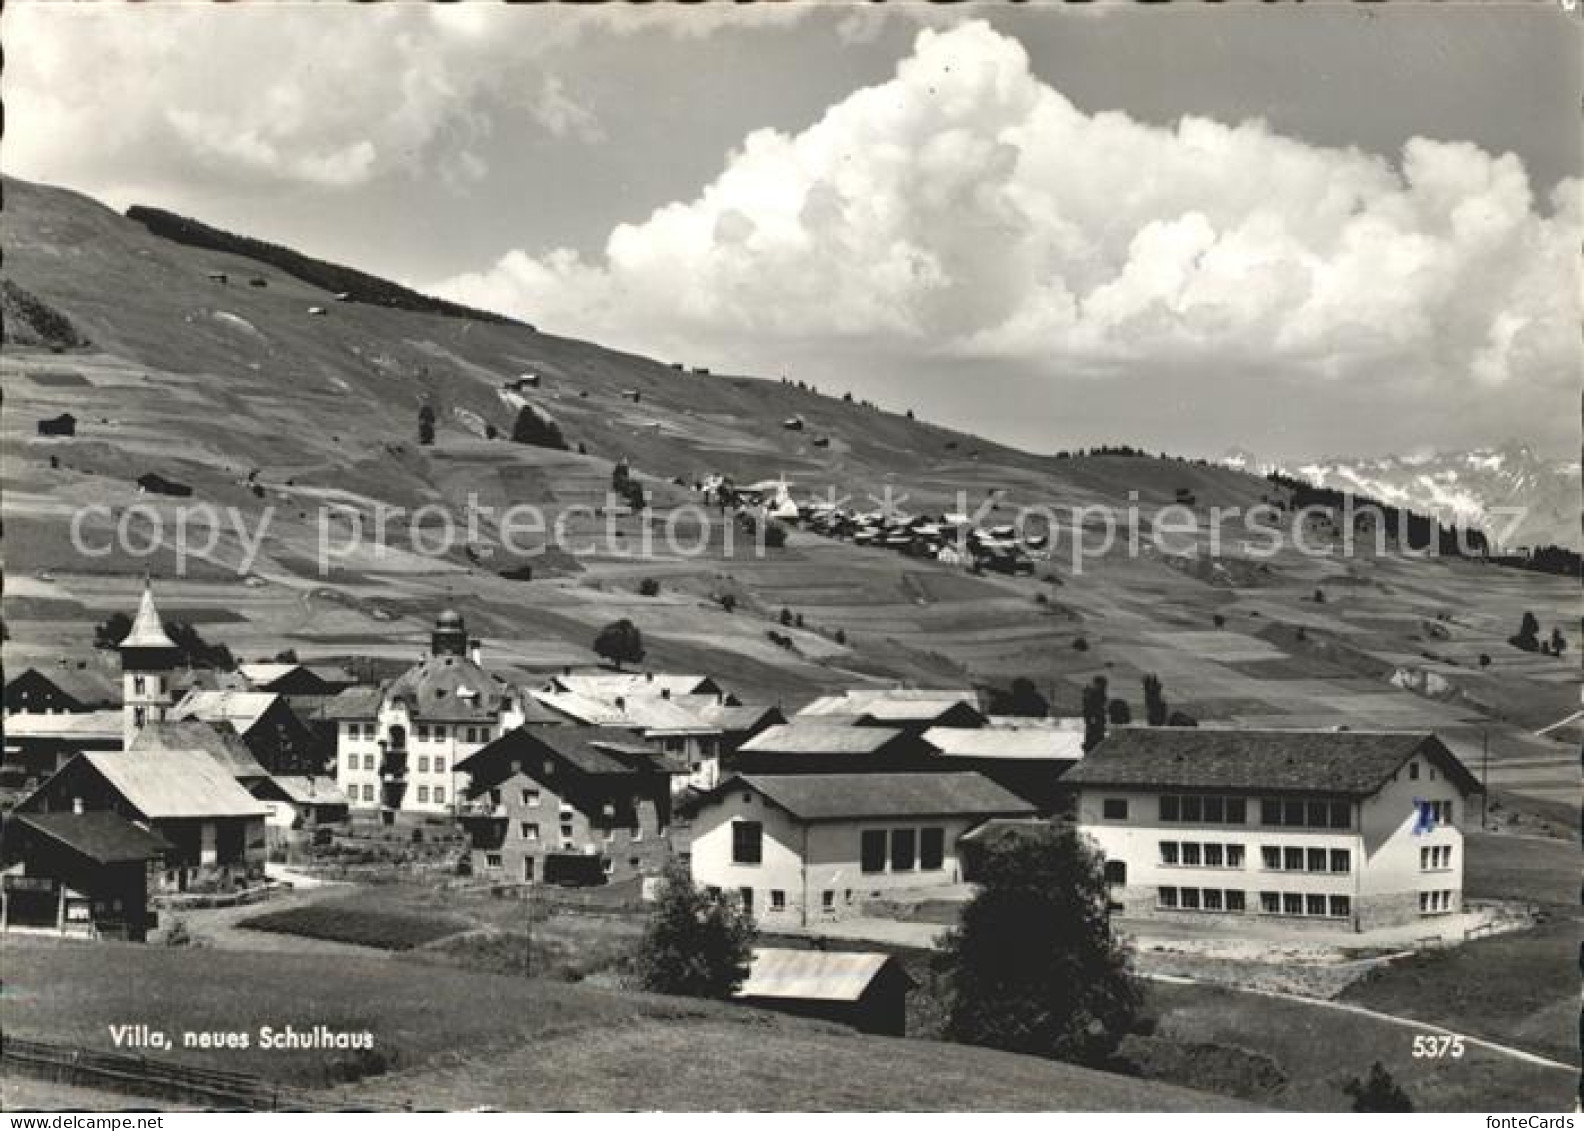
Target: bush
{"points": [[649, 587], [1219, 620], [696, 944], [1377, 1092], [1080, 644], [538, 429], [1033, 966], [775, 535], [841, 636]]}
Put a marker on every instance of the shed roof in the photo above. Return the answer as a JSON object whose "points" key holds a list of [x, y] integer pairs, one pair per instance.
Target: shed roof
{"points": [[1351, 763], [102, 836], [88, 686], [357, 703], [829, 797], [304, 790], [592, 750], [813, 975]]}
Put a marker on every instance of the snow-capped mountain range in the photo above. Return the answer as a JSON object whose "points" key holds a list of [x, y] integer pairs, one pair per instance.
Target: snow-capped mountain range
{"points": [[1463, 487]]}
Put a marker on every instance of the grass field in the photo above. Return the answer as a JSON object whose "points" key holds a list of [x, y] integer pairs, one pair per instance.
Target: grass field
{"points": [[1319, 1050], [345, 921], [457, 1039], [1521, 988]]}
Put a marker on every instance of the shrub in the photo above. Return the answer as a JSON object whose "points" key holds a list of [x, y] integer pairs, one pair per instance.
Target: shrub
{"points": [[649, 587], [728, 601], [1377, 1092], [538, 429], [786, 618], [775, 535], [1032, 965], [841, 636], [696, 944], [1119, 713], [1219, 620], [1080, 644]]}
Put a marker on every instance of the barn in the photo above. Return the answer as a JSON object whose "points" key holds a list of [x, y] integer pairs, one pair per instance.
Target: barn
{"points": [[867, 991], [63, 425]]}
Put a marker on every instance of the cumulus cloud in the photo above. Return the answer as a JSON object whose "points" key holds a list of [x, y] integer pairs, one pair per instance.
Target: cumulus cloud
{"points": [[319, 96], [966, 209]]}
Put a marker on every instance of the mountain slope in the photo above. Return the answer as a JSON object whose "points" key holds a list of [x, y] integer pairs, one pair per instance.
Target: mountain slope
{"points": [[271, 413]]}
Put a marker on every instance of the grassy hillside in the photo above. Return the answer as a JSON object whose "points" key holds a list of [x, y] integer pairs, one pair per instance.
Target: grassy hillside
{"points": [[465, 1040], [238, 391]]}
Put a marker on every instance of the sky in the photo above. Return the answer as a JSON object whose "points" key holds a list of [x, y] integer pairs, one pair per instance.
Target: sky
{"points": [[1301, 231]]}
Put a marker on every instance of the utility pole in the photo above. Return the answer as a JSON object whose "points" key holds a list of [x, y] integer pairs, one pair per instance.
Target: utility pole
{"points": [[1485, 780]]}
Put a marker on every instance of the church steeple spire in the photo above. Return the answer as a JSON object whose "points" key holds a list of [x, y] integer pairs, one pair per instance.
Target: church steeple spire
{"points": [[148, 658]]}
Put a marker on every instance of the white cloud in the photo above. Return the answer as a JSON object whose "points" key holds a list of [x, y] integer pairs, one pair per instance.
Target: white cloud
{"points": [[966, 209], [319, 95]]}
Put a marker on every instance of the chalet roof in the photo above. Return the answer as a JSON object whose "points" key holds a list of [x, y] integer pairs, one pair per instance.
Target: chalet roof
{"points": [[730, 719], [1352, 763], [607, 685], [303, 790], [591, 750], [362, 703], [888, 704], [80, 725], [813, 975], [88, 686], [261, 675], [242, 709], [218, 739], [103, 836], [831, 797], [147, 631], [173, 783], [820, 738], [1007, 742]]}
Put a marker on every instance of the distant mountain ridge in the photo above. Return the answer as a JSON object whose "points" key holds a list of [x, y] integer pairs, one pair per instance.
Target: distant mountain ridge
{"points": [[1466, 487]]}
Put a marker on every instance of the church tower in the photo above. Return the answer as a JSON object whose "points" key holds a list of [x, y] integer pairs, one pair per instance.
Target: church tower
{"points": [[449, 637], [148, 659]]}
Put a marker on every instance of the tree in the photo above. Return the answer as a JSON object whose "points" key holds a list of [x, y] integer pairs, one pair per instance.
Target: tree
{"points": [[286, 656], [620, 642], [696, 944], [775, 535], [1319, 597], [649, 587], [193, 649], [1119, 712], [621, 476], [1558, 641], [1527, 636], [1024, 699], [426, 424], [1094, 713], [1377, 1092], [786, 618], [538, 429], [1181, 719], [1032, 965], [1154, 701]]}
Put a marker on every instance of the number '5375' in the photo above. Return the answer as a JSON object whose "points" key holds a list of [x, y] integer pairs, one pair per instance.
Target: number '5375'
{"points": [[1438, 1046]]}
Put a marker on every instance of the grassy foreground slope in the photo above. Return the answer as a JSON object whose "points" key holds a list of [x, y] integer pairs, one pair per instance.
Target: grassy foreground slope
{"points": [[270, 412], [462, 1039]]}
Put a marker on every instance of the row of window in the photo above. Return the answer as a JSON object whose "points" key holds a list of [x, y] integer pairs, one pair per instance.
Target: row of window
{"points": [[1275, 858], [530, 831], [1193, 854], [1437, 858], [1437, 902], [437, 795], [424, 763], [1233, 901], [778, 898], [493, 862], [1275, 812], [476, 734], [902, 850]]}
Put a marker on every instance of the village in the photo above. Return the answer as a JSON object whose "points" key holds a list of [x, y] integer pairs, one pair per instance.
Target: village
{"points": [[288, 798]]}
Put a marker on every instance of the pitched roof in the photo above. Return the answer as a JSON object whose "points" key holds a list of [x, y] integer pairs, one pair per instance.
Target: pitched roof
{"points": [[102, 836], [242, 709], [265, 673], [1007, 742], [819, 738], [741, 718], [80, 725], [88, 686], [591, 750], [147, 631], [829, 797], [170, 784], [812, 975], [888, 704], [1352, 763], [303, 790], [218, 739], [607, 685], [354, 703]]}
